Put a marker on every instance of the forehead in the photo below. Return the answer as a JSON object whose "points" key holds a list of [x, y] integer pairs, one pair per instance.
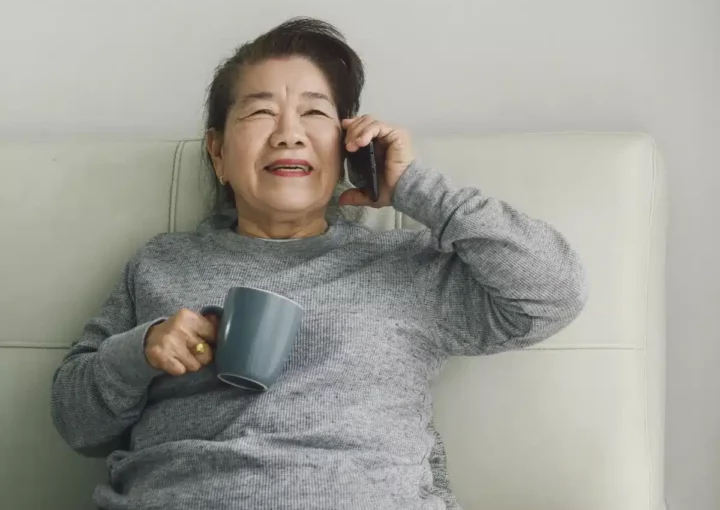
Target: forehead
{"points": [[292, 75]]}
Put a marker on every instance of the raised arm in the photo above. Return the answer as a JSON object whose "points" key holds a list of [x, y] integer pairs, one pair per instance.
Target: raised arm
{"points": [[489, 278]]}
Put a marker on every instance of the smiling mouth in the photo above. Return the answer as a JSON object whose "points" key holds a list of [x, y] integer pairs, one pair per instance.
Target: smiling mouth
{"points": [[289, 170]]}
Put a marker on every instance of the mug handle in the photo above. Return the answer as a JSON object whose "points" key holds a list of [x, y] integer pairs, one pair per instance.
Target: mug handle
{"points": [[212, 310]]}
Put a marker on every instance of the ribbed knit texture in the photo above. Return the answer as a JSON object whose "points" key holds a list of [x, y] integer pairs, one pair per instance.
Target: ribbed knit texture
{"points": [[349, 423]]}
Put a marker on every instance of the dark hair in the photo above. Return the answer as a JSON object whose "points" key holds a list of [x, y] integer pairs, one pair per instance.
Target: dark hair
{"points": [[316, 40]]}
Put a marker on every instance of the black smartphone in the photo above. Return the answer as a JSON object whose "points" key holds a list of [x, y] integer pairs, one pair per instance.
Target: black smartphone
{"points": [[363, 171]]}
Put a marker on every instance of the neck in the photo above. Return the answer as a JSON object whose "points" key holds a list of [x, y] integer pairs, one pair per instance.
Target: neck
{"points": [[282, 229]]}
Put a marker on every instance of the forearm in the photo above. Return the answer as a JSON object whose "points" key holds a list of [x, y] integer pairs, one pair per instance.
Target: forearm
{"points": [[100, 389], [526, 282]]}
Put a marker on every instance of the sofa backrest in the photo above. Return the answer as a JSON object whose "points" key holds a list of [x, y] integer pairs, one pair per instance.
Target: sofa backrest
{"points": [[574, 423]]}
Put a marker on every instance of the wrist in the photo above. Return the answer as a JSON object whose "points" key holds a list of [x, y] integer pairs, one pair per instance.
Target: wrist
{"points": [[151, 331], [425, 195], [124, 361]]}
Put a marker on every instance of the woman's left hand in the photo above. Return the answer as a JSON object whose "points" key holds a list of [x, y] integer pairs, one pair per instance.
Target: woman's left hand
{"points": [[392, 144]]}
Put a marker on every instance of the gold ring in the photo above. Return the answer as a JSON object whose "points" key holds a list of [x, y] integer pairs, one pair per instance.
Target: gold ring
{"points": [[200, 348]]}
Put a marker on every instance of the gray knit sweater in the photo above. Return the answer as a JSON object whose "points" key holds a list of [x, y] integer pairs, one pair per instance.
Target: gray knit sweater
{"points": [[348, 425]]}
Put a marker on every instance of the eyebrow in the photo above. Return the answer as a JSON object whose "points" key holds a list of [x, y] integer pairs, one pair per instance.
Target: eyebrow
{"points": [[318, 95], [254, 96]]}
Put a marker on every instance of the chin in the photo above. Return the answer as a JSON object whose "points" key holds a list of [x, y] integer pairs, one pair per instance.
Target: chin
{"points": [[294, 203]]}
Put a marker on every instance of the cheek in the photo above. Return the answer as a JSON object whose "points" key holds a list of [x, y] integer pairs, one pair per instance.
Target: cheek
{"points": [[327, 149], [244, 145]]}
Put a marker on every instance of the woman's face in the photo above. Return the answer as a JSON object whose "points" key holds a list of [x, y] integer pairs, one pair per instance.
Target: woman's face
{"points": [[280, 151]]}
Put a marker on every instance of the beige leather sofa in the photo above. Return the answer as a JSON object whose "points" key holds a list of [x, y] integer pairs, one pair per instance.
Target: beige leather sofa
{"points": [[573, 424]]}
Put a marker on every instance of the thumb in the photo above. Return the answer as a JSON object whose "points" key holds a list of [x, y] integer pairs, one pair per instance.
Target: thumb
{"points": [[354, 197]]}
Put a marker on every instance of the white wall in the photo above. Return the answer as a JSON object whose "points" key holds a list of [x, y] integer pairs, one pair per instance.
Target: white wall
{"points": [[140, 67]]}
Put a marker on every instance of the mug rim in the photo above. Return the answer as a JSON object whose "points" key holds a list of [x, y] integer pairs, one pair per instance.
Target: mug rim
{"points": [[273, 293], [223, 377]]}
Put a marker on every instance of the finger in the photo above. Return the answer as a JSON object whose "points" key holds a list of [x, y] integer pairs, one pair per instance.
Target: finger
{"points": [[357, 128], [349, 124], [375, 129], [173, 367], [354, 130], [198, 327], [188, 359], [206, 327], [214, 319], [390, 135], [354, 197], [205, 357]]}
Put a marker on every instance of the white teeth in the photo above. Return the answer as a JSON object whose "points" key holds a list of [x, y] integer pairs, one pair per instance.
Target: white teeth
{"points": [[291, 168]]}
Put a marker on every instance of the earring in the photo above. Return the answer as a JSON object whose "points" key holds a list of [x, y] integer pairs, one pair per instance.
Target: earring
{"points": [[222, 180]]}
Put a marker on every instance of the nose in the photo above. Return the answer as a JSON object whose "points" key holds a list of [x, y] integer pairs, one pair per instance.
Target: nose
{"points": [[289, 133]]}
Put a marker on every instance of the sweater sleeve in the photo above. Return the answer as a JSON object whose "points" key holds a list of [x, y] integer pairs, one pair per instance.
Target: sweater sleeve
{"points": [[100, 388], [488, 277]]}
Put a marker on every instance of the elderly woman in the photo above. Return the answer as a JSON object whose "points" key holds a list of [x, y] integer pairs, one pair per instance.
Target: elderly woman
{"points": [[348, 424]]}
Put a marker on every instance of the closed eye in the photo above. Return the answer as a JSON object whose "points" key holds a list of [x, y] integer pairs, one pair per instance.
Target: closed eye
{"points": [[315, 112], [263, 112]]}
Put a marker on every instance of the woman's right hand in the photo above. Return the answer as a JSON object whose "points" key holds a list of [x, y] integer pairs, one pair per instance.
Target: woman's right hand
{"points": [[172, 345]]}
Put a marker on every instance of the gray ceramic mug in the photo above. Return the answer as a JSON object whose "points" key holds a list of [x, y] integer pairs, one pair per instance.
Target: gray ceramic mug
{"points": [[256, 333]]}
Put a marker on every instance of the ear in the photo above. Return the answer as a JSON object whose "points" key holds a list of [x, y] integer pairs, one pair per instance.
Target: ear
{"points": [[214, 145]]}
